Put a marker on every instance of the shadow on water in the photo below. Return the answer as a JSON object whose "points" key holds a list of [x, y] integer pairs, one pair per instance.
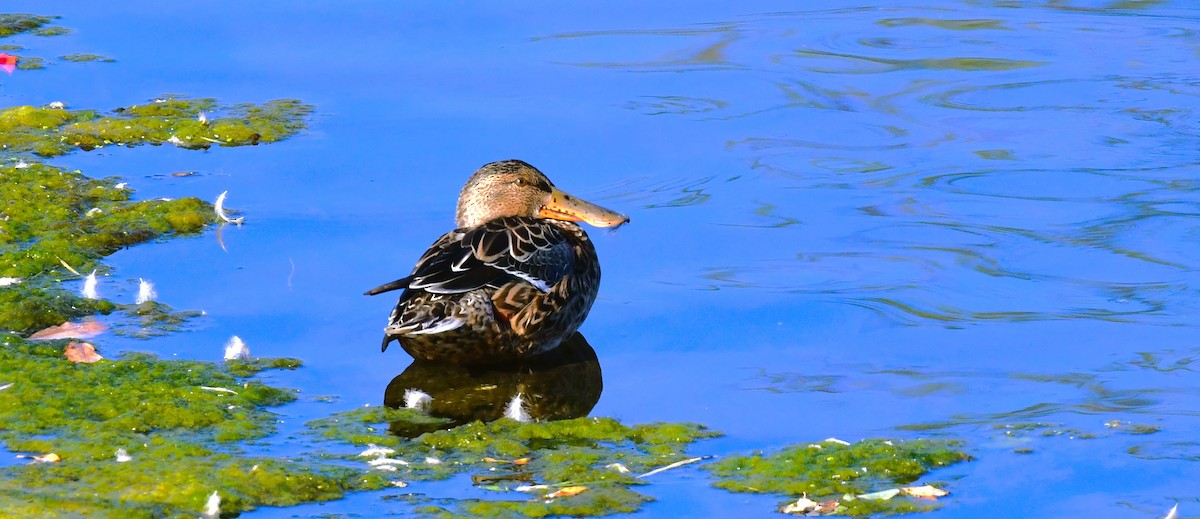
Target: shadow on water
{"points": [[561, 384]]}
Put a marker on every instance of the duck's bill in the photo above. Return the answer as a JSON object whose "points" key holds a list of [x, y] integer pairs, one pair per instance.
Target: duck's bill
{"points": [[562, 206]]}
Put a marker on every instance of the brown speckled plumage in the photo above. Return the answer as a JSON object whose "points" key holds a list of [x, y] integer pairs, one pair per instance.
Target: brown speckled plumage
{"points": [[514, 280]]}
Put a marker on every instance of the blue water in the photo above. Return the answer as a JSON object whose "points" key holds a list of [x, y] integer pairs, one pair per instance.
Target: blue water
{"points": [[848, 220]]}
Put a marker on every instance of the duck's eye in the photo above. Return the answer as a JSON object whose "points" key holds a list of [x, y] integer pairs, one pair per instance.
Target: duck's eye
{"points": [[519, 181]]}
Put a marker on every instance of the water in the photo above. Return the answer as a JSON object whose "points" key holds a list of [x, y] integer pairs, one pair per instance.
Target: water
{"points": [[849, 220]]}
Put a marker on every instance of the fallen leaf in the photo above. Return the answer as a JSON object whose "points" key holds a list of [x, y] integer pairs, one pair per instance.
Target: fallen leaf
{"points": [[70, 330], [827, 507], [566, 492], [882, 495], [924, 492], [494, 460], [803, 505], [44, 458], [8, 63], [375, 450], [82, 352], [521, 461]]}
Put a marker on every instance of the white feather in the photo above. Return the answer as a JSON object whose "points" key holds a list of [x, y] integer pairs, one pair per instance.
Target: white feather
{"points": [[417, 399], [220, 208], [235, 349], [212, 508], [89, 287], [516, 410], [145, 291]]}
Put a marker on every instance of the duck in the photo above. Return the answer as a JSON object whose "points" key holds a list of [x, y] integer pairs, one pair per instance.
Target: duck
{"points": [[515, 279]]}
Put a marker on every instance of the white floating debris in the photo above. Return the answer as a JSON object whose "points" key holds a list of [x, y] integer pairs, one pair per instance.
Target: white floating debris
{"points": [[531, 488], [399, 484], [218, 389], [175, 140], [516, 409], [235, 349], [375, 450], [386, 468], [417, 399], [212, 508], [89, 287], [1173, 513], [617, 467], [837, 441], [433, 461], [386, 461], [6, 386], [220, 207], [9, 281], [123, 456], [21, 164], [146, 292], [57, 105], [93, 212], [202, 118], [121, 185]]}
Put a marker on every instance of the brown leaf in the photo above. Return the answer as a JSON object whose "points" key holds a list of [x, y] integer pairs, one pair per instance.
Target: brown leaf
{"points": [[82, 352], [521, 461], [494, 460], [70, 330], [566, 492], [44, 458], [827, 507], [924, 492]]}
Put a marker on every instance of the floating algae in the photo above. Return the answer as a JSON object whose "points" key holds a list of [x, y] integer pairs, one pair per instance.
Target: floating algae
{"points": [[168, 417], [577, 452], [834, 469]]}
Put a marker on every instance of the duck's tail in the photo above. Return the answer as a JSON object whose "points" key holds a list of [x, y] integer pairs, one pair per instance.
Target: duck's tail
{"points": [[390, 286]]}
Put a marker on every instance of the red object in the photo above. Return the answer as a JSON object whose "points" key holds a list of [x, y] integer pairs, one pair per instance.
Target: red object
{"points": [[8, 62]]}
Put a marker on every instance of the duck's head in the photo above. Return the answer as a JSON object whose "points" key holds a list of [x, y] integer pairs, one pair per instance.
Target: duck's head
{"points": [[514, 188]]}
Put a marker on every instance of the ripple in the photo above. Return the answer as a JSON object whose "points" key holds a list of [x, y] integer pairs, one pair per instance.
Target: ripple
{"points": [[824, 62], [654, 193], [674, 105]]}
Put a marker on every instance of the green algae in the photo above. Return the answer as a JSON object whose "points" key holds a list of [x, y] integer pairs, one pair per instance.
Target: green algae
{"points": [[171, 417], [12, 24], [50, 132], [50, 216], [832, 469], [250, 367], [581, 451], [53, 30], [154, 319], [87, 58], [30, 63]]}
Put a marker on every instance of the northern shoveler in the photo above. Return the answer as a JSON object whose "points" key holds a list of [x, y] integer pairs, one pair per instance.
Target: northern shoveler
{"points": [[515, 279]]}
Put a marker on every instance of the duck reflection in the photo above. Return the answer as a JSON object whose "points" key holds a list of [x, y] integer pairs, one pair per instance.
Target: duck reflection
{"points": [[560, 384]]}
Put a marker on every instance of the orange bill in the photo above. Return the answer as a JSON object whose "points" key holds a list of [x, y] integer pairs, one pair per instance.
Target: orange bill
{"points": [[562, 206]]}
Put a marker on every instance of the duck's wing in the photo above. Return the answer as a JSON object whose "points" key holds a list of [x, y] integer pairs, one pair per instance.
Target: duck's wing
{"points": [[517, 257], [494, 254]]}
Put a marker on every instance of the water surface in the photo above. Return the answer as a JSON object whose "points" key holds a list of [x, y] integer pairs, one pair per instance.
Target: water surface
{"points": [[902, 219]]}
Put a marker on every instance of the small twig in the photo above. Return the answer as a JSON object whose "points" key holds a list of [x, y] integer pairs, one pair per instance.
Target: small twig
{"points": [[677, 464]]}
